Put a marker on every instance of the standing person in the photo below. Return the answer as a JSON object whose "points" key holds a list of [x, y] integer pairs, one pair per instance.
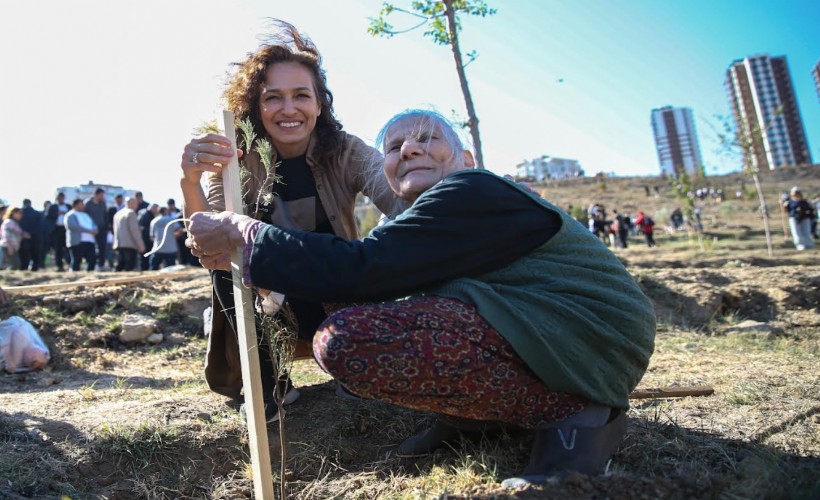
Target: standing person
{"points": [[646, 225], [45, 235], [492, 304], [96, 209], [127, 236], [141, 203], [32, 226], [165, 241], [801, 214], [11, 237], [282, 90], [146, 215], [3, 209], [622, 225], [56, 215], [81, 234]]}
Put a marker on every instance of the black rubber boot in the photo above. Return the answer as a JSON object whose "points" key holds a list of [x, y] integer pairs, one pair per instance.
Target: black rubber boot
{"points": [[445, 430], [571, 449]]}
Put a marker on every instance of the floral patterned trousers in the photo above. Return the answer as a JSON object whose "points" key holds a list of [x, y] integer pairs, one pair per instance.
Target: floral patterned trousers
{"points": [[436, 354]]}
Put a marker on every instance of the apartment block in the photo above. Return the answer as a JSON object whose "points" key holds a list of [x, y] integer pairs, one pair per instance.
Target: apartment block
{"points": [[768, 123], [676, 142]]}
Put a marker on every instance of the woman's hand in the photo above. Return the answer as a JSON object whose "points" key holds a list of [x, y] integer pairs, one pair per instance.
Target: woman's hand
{"points": [[214, 234], [207, 153]]}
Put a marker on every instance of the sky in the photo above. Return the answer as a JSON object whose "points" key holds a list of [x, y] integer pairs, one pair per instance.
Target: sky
{"points": [[111, 91]]}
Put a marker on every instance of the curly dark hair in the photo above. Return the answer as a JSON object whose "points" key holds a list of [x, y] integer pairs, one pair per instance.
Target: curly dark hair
{"points": [[285, 44]]}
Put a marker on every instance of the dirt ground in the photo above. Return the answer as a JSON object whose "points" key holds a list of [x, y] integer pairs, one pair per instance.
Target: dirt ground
{"points": [[116, 421]]}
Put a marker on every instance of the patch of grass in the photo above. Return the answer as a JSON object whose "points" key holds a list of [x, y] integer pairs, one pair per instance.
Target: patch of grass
{"points": [[85, 319], [169, 311], [746, 394], [88, 393], [137, 448]]}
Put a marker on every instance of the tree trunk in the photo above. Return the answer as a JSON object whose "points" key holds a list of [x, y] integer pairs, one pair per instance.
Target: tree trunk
{"points": [[462, 78]]}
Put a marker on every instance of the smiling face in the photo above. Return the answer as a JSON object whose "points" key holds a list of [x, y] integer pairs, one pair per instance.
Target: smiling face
{"points": [[288, 107], [418, 153]]}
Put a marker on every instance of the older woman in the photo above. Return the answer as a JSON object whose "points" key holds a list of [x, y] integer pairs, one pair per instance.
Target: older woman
{"points": [[495, 304], [801, 214], [318, 170]]}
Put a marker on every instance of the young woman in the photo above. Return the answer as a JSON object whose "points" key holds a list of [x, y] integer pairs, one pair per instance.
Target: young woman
{"points": [[281, 88], [510, 310]]}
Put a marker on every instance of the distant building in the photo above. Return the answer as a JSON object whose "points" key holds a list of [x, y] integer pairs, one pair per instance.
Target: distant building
{"points": [[815, 72], [676, 142], [548, 167], [85, 191], [765, 109]]}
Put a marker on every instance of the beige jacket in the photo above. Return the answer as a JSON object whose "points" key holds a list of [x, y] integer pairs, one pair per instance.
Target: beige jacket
{"points": [[355, 168], [127, 230]]}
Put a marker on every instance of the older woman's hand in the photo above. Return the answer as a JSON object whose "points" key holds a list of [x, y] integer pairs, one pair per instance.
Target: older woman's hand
{"points": [[214, 234]]}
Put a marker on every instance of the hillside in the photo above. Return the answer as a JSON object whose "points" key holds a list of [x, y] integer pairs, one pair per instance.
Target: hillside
{"points": [[107, 420]]}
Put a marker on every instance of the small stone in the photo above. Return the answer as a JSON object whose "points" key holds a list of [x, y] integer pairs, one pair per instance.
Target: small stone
{"points": [[155, 338]]}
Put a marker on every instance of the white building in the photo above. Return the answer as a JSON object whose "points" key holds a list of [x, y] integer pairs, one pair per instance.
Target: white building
{"points": [[676, 141], [548, 167], [85, 191]]}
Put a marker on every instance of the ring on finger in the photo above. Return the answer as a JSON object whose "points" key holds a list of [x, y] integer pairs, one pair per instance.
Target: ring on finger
{"points": [[195, 157]]}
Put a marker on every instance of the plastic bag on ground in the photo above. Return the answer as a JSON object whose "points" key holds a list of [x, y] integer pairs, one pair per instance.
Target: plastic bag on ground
{"points": [[21, 348]]}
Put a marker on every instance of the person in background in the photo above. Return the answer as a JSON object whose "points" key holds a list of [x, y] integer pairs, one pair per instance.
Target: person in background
{"points": [[127, 236], [171, 207], [56, 217], [11, 237], [487, 304], [32, 226], [646, 225], [146, 215], [96, 209], [814, 231], [45, 235], [141, 203], [164, 241], [317, 172], [81, 236], [621, 225], [801, 214], [3, 209]]}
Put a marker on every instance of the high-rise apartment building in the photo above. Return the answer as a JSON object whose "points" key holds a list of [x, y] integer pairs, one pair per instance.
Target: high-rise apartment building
{"points": [[676, 141], [764, 105], [815, 72]]}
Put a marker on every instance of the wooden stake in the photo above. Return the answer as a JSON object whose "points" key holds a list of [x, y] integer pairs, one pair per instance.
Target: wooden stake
{"points": [[120, 280], [246, 330], [671, 392]]}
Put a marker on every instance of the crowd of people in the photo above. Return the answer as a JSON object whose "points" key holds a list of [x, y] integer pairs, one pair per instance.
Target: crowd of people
{"points": [[615, 229], [91, 235]]}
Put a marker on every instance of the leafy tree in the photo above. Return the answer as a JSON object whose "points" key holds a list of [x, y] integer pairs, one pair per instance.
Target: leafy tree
{"points": [[441, 18]]}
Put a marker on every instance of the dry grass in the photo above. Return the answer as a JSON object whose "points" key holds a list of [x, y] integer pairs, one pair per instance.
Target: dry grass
{"points": [[113, 421]]}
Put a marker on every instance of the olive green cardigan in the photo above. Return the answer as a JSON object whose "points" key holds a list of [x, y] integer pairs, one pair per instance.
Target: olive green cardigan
{"points": [[572, 312]]}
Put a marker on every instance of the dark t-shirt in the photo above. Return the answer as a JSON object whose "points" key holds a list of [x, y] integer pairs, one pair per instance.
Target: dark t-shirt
{"points": [[296, 205]]}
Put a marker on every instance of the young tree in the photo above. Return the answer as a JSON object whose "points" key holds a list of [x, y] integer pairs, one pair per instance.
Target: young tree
{"points": [[746, 140], [443, 25]]}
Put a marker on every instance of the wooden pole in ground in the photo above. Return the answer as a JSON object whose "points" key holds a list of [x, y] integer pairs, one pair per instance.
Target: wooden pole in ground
{"points": [[246, 330]]}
